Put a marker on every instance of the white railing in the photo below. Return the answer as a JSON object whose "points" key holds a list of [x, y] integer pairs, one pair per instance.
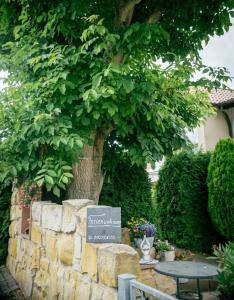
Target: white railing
{"points": [[128, 287]]}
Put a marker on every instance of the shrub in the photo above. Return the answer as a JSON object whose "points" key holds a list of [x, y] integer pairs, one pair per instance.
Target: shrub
{"points": [[221, 187], [181, 202], [128, 187], [225, 278], [5, 195]]}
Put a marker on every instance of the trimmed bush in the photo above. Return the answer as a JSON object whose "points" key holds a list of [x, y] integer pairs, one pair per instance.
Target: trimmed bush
{"points": [[221, 187], [128, 187], [182, 198]]}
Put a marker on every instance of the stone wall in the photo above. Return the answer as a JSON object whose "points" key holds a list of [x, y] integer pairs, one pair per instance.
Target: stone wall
{"points": [[55, 262]]}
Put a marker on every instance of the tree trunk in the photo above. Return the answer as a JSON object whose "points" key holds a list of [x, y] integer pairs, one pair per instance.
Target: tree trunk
{"points": [[88, 178]]}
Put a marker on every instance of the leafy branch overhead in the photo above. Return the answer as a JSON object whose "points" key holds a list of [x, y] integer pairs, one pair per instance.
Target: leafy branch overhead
{"points": [[76, 68]]}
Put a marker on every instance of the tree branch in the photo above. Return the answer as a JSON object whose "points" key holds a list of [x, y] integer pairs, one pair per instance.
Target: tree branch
{"points": [[154, 18], [125, 13]]}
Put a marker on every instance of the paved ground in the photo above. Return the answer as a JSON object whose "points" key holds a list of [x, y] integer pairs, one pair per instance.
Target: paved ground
{"points": [[9, 289]]}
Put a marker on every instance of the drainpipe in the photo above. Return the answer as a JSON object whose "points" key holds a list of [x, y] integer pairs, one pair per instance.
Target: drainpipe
{"points": [[226, 117]]}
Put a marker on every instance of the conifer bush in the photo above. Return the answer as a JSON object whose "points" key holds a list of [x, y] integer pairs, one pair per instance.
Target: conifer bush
{"points": [[221, 187], [181, 202]]}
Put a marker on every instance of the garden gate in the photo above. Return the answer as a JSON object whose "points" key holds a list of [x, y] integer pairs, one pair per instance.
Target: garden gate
{"points": [[128, 286]]}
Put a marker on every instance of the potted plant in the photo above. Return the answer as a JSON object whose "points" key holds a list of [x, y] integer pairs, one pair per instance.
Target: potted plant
{"points": [[29, 192], [165, 250], [183, 255], [138, 227]]}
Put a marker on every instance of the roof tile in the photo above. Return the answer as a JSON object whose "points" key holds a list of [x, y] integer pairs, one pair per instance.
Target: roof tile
{"points": [[221, 96]]}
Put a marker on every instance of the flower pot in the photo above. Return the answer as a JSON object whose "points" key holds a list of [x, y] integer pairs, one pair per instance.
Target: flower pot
{"points": [[167, 255], [138, 241]]}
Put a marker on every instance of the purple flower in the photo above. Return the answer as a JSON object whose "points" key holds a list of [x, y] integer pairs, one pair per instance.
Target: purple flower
{"points": [[148, 229]]}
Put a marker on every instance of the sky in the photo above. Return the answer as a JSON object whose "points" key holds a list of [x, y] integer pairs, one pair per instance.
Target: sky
{"points": [[219, 52]]}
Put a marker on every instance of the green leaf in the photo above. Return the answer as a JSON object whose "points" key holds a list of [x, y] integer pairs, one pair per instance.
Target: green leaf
{"points": [[56, 191], [128, 85], [52, 173], [79, 112], [68, 168], [85, 121], [68, 175], [64, 179], [96, 81], [49, 180], [79, 143], [96, 115], [40, 182], [111, 110], [62, 89]]}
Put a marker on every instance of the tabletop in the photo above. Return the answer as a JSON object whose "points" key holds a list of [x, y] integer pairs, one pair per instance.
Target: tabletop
{"points": [[187, 269]]}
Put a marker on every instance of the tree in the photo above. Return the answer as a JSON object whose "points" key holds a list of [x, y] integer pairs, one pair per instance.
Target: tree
{"points": [[82, 71]]}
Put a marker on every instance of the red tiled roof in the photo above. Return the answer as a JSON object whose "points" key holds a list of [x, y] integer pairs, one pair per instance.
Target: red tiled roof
{"points": [[221, 96]]}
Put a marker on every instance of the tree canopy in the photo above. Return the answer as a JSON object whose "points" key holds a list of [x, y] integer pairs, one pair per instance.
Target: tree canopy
{"points": [[80, 72]]}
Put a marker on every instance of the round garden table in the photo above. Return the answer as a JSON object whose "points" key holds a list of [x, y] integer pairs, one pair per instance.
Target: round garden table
{"points": [[187, 269]]}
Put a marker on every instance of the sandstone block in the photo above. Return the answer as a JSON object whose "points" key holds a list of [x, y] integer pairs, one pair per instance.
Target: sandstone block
{"points": [[110, 293], [165, 284], [15, 212], [115, 260], [53, 287], [51, 245], [66, 249], [77, 247], [83, 287], [44, 264], [52, 217], [15, 197], [36, 233], [47, 283], [41, 279], [37, 210], [12, 247], [69, 218], [24, 279], [70, 208], [97, 291], [26, 246], [36, 258], [125, 237], [11, 265], [81, 219], [78, 203], [14, 228], [89, 260], [70, 285], [37, 294], [60, 281]]}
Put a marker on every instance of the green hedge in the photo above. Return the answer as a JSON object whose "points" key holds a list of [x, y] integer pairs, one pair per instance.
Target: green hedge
{"points": [[182, 214], [128, 186], [221, 187], [5, 195]]}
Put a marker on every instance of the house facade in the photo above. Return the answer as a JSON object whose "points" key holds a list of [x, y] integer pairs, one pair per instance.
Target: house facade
{"points": [[219, 125], [206, 136]]}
